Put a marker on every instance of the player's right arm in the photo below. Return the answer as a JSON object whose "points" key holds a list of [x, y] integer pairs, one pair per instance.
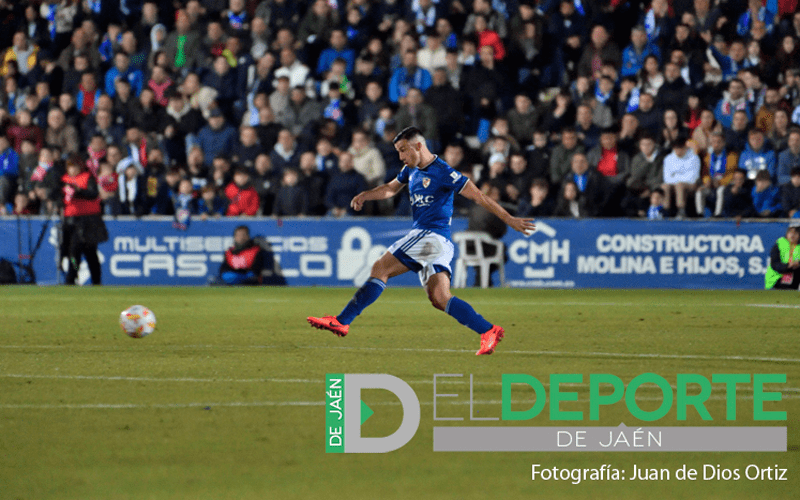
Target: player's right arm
{"points": [[382, 192]]}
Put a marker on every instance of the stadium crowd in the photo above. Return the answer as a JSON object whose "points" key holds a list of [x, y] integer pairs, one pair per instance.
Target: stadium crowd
{"points": [[573, 108]]}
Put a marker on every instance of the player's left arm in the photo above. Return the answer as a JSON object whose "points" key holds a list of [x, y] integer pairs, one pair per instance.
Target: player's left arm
{"points": [[471, 192]]}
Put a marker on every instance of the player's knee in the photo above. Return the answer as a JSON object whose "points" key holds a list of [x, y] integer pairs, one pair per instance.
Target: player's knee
{"points": [[438, 303], [438, 300]]}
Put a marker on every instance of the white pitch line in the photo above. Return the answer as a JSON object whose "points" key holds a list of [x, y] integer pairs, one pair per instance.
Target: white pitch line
{"points": [[33, 346], [777, 306], [249, 404], [165, 379], [159, 347], [534, 302], [104, 406], [577, 354], [440, 381]]}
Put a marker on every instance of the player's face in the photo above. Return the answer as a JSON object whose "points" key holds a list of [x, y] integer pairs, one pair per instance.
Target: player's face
{"points": [[408, 152]]}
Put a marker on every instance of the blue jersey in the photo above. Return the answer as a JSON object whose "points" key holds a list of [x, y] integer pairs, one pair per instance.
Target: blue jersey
{"points": [[431, 190]]}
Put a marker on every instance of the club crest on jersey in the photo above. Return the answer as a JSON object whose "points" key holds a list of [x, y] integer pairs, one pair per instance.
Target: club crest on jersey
{"points": [[426, 181]]}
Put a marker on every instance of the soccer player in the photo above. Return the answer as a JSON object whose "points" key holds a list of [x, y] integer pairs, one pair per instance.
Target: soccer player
{"points": [[427, 249]]}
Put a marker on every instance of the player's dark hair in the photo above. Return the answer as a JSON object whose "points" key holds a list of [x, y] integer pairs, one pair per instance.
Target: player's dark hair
{"points": [[242, 228], [407, 134]]}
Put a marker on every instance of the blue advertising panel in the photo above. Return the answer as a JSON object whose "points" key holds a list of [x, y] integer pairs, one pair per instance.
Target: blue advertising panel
{"points": [[563, 253], [620, 253]]}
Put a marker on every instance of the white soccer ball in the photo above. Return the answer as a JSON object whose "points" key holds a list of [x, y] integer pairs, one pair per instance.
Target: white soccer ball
{"points": [[137, 321]]}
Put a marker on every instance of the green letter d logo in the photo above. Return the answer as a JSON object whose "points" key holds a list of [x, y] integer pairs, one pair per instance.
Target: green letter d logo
{"points": [[353, 442]]}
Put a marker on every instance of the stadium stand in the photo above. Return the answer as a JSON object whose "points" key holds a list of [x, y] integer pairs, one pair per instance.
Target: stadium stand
{"points": [[150, 86]]}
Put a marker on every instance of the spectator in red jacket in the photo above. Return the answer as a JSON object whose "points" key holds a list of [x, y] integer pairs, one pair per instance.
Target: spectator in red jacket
{"points": [[488, 37], [241, 194]]}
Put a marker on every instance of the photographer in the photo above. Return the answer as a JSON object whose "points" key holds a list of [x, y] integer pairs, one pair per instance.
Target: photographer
{"points": [[243, 261]]}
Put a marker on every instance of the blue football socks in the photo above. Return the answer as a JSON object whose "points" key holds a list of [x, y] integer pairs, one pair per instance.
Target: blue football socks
{"points": [[366, 295], [466, 315]]}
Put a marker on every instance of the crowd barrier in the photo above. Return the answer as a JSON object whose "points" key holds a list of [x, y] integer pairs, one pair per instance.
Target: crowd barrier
{"points": [[590, 253]]}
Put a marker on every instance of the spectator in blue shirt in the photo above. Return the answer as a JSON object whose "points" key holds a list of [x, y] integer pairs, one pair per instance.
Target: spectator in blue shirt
{"points": [[338, 49], [757, 156], [766, 196], [656, 210], [210, 203], [407, 76], [729, 64], [122, 69], [216, 138], [790, 157], [755, 12], [634, 54], [733, 100]]}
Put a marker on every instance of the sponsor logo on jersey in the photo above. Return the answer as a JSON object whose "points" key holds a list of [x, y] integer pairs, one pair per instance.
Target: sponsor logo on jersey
{"points": [[419, 200]]}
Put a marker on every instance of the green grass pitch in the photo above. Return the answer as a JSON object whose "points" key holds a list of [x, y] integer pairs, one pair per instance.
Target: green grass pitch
{"points": [[225, 399]]}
